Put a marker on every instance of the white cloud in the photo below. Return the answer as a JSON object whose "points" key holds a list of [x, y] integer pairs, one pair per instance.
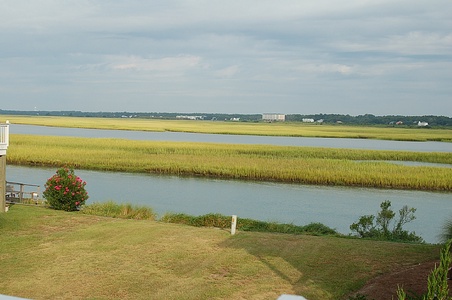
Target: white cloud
{"points": [[165, 64], [417, 42], [325, 68], [227, 72], [410, 43]]}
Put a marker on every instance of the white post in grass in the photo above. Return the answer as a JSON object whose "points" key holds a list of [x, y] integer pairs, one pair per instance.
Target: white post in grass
{"points": [[233, 224]]}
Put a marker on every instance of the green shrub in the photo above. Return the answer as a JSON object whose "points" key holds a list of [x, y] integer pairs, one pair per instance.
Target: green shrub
{"points": [[319, 229], [124, 211], [65, 190], [378, 227], [178, 219]]}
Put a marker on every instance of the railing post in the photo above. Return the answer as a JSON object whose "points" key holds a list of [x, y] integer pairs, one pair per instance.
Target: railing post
{"points": [[4, 137], [21, 193], [2, 183], [4, 142]]}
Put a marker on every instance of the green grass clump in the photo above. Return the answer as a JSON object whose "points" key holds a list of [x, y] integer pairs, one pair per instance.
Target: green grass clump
{"points": [[124, 211], [244, 224], [208, 220]]}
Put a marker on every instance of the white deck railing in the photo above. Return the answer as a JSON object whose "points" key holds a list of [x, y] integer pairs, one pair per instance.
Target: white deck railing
{"points": [[4, 137]]}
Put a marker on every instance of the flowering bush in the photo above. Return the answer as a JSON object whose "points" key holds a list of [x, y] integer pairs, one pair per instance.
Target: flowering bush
{"points": [[65, 190]]}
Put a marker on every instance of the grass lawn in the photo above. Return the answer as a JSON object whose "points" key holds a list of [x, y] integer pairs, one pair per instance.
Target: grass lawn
{"points": [[47, 254]]}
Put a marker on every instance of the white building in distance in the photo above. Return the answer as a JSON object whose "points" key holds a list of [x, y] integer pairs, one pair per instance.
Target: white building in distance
{"points": [[273, 117]]}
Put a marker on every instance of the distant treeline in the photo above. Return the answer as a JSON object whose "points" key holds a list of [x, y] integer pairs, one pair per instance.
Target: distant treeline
{"points": [[367, 119]]}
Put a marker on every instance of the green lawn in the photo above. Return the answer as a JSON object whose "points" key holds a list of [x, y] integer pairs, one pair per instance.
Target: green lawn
{"points": [[47, 254]]}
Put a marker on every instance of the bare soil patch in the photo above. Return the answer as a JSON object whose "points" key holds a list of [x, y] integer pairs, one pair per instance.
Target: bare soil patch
{"points": [[413, 279]]}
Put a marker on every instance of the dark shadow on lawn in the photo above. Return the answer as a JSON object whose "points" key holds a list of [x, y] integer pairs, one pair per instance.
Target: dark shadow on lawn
{"points": [[298, 260], [327, 267]]}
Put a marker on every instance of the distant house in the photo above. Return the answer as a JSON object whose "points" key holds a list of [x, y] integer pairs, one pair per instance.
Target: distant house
{"points": [[305, 120], [273, 117], [422, 124], [190, 117]]}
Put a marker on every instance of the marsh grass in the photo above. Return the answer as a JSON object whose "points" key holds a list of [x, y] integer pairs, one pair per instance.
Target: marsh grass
{"points": [[124, 211], [241, 128], [48, 254], [245, 224], [305, 165]]}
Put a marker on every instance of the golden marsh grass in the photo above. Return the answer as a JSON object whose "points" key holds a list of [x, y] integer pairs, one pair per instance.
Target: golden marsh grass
{"points": [[304, 165], [242, 128]]}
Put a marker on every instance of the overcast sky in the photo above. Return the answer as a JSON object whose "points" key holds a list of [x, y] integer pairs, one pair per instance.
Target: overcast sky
{"points": [[245, 56]]}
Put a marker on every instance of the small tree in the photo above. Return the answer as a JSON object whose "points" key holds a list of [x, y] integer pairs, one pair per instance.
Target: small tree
{"points": [[65, 190], [369, 226]]}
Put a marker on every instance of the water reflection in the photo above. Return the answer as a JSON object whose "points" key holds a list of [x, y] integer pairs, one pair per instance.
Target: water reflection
{"points": [[287, 203]]}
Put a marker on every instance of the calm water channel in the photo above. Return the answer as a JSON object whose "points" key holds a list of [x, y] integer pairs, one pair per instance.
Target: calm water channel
{"points": [[299, 204]]}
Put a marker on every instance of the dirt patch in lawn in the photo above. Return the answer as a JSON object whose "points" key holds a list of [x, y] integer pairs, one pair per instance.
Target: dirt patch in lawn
{"points": [[413, 280]]}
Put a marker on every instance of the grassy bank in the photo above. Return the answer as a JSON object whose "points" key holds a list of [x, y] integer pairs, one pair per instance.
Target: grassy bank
{"points": [[47, 254], [243, 224], [128, 211], [274, 129], [322, 166]]}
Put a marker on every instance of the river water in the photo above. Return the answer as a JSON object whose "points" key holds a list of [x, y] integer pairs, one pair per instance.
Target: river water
{"points": [[336, 207]]}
